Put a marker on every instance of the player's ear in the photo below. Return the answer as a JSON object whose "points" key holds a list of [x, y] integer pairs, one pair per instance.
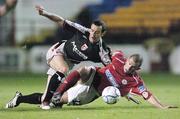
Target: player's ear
{"points": [[103, 33]]}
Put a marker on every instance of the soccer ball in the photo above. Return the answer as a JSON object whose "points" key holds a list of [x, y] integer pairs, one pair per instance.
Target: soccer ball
{"points": [[111, 95]]}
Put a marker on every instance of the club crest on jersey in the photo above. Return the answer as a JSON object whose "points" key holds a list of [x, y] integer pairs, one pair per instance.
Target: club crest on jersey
{"points": [[145, 94], [124, 82], [84, 47]]}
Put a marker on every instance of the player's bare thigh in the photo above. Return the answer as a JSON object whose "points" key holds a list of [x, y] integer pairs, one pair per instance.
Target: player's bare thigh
{"points": [[55, 58], [58, 63]]}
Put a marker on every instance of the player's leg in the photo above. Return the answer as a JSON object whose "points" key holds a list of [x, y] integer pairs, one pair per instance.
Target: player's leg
{"points": [[83, 75], [51, 86], [79, 95], [34, 98], [69, 81], [55, 60]]}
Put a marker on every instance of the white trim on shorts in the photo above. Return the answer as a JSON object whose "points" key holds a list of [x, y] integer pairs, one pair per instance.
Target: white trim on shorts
{"points": [[54, 52]]}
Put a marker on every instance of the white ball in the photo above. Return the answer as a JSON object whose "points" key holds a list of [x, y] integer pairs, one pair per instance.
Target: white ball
{"points": [[111, 95]]}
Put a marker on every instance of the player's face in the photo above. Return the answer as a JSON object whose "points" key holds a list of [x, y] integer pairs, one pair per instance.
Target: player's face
{"points": [[129, 66], [95, 33]]}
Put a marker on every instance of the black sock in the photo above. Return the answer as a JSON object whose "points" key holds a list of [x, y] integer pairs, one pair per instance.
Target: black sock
{"points": [[53, 85], [34, 98]]}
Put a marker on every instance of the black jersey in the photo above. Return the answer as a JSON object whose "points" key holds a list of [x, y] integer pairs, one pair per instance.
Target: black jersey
{"points": [[79, 48]]}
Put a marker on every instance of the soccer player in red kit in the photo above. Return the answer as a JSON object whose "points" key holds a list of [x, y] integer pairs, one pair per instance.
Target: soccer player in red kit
{"points": [[121, 73]]}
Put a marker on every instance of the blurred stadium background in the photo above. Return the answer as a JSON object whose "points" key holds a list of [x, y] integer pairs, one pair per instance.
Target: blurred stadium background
{"points": [[148, 27]]}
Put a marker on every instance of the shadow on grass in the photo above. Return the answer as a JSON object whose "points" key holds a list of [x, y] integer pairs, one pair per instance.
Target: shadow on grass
{"points": [[76, 108], [106, 107]]}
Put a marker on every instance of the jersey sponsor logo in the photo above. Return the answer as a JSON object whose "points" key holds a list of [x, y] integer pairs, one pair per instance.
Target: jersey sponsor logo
{"points": [[75, 49], [111, 78], [141, 88], [145, 94], [124, 82], [84, 47]]}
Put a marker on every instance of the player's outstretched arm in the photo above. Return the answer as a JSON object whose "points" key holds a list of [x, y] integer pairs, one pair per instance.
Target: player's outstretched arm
{"points": [[155, 102], [51, 16]]}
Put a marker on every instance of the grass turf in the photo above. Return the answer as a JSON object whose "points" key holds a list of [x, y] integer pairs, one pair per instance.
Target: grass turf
{"points": [[165, 86]]}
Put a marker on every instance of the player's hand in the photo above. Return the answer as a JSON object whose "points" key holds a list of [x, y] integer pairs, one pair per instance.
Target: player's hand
{"points": [[40, 9]]}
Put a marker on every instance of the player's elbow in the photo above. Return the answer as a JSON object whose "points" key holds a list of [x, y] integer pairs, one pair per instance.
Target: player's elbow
{"points": [[60, 23]]}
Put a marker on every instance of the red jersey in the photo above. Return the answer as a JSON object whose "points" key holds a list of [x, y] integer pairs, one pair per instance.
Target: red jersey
{"points": [[114, 75]]}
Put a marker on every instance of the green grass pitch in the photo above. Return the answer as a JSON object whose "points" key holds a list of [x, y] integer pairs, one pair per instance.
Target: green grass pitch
{"points": [[165, 86]]}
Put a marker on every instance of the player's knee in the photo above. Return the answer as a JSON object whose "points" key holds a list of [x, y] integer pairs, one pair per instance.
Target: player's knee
{"points": [[85, 72], [62, 69]]}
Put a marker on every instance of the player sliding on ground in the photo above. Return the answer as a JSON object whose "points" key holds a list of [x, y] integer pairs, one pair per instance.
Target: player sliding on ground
{"points": [[91, 81]]}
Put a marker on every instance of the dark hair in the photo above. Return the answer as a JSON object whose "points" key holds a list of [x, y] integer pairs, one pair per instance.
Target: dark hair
{"points": [[100, 23], [137, 60]]}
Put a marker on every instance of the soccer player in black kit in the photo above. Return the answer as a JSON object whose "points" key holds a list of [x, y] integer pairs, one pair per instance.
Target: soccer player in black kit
{"points": [[85, 45]]}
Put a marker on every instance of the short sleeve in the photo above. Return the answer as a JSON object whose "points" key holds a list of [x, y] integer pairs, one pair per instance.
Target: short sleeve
{"points": [[141, 90], [71, 26]]}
